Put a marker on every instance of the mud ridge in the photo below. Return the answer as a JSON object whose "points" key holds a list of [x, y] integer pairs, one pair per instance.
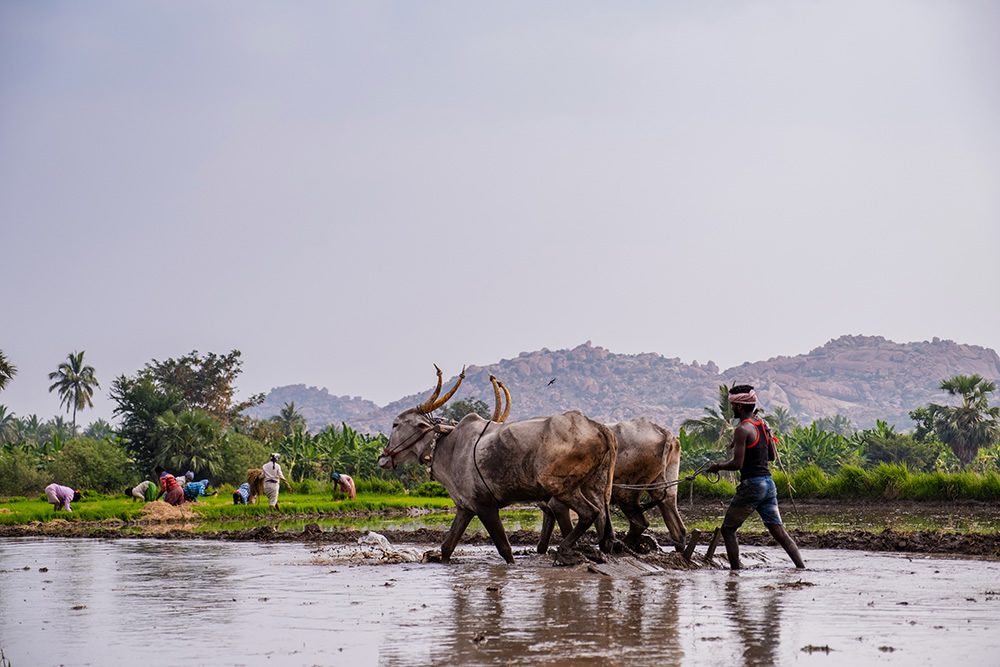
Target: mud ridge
{"points": [[920, 541]]}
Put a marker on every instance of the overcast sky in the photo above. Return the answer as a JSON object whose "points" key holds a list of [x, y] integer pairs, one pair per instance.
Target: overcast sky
{"points": [[350, 192]]}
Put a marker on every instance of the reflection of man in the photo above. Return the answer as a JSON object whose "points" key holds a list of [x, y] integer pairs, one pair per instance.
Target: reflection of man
{"points": [[753, 448], [756, 621]]}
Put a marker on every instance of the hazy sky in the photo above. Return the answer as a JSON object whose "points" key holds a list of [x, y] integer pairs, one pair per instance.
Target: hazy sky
{"points": [[349, 192]]}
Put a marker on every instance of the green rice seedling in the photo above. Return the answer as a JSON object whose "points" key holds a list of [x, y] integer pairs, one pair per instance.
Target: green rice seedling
{"points": [[810, 482], [930, 486], [384, 487], [889, 479], [989, 486], [430, 490], [850, 482]]}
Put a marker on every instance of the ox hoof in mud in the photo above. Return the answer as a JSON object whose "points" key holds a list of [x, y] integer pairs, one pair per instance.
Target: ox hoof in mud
{"points": [[578, 555]]}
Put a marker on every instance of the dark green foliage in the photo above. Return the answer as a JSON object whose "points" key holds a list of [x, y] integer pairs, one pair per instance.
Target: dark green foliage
{"points": [[902, 449], [100, 465], [974, 424], [141, 402], [204, 383], [189, 441], [19, 474], [455, 410], [430, 490], [237, 454]]}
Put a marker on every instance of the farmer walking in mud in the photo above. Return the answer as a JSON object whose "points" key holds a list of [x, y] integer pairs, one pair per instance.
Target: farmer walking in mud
{"points": [[753, 448], [272, 477]]}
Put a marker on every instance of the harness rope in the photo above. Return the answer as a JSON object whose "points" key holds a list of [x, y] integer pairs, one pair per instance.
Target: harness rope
{"points": [[700, 470], [476, 461]]}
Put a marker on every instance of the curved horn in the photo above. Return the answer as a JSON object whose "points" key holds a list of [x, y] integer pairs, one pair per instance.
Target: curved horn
{"points": [[496, 398], [444, 399], [428, 405], [506, 411]]}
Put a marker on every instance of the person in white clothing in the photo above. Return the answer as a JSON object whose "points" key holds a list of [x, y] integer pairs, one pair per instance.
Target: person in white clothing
{"points": [[272, 480]]}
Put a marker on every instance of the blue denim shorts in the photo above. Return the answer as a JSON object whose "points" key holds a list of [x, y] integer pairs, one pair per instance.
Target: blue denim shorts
{"points": [[753, 494]]}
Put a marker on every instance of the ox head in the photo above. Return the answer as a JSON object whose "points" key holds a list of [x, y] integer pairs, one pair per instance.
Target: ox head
{"points": [[414, 431]]}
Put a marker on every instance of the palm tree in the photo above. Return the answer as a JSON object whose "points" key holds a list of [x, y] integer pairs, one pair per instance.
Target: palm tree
{"points": [[98, 430], [9, 425], [290, 419], [838, 424], [782, 420], [716, 426], [75, 383], [973, 424], [189, 441], [7, 370]]}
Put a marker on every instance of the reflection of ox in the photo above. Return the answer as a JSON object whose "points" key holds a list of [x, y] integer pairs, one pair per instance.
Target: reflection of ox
{"points": [[486, 465], [649, 457]]}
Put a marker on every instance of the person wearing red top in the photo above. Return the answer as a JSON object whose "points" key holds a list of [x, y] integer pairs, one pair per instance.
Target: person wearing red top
{"points": [[169, 488], [753, 449]]}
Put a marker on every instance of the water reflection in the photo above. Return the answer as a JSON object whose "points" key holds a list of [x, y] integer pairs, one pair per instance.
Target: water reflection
{"points": [[120, 601], [526, 614], [756, 619]]}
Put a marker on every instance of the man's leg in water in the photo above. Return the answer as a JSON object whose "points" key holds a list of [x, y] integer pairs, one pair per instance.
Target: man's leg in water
{"points": [[779, 533], [735, 516]]}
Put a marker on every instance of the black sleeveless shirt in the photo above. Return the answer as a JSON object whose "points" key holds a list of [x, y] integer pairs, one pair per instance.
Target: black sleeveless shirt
{"points": [[755, 461]]}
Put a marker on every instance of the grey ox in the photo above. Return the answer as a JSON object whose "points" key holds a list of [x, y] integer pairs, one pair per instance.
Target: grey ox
{"points": [[487, 464], [649, 458]]}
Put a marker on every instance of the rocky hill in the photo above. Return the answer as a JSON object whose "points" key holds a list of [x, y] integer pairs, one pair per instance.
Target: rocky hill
{"points": [[863, 378], [317, 406]]}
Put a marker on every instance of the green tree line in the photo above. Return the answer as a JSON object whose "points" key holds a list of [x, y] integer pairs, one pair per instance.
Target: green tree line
{"points": [[183, 414]]}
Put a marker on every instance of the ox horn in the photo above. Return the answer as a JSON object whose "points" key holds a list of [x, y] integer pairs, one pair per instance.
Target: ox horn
{"points": [[506, 411], [433, 403], [428, 405], [496, 398]]}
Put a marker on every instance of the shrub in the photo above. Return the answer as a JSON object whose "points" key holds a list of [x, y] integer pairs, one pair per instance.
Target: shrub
{"points": [[239, 453], [86, 463], [430, 490], [18, 474]]}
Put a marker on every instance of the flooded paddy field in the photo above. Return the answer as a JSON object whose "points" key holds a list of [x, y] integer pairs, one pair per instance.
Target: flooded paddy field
{"points": [[213, 602]]}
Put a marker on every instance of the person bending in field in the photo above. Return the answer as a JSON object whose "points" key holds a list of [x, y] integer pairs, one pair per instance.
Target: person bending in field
{"points": [[345, 483], [61, 496], [170, 489], [145, 491], [753, 448], [192, 490], [241, 496]]}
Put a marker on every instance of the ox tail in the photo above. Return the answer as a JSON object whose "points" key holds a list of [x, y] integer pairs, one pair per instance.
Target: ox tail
{"points": [[611, 457]]}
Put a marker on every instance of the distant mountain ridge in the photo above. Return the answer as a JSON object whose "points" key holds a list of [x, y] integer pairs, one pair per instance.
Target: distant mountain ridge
{"points": [[863, 378]]}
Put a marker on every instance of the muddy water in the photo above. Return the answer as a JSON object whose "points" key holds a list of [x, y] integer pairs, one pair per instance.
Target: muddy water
{"points": [[101, 602]]}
